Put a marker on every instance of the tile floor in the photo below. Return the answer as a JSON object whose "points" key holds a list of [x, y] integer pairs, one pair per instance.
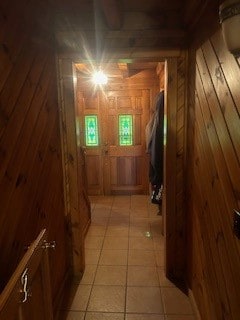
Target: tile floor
{"points": [[124, 277]]}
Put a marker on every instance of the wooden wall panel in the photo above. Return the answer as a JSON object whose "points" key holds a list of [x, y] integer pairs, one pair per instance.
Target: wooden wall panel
{"points": [[174, 200], [31, 180], [213, 179]]}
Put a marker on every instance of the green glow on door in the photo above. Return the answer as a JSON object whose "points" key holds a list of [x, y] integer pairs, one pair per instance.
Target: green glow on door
{"points": [[125, 125], [91, 131]]}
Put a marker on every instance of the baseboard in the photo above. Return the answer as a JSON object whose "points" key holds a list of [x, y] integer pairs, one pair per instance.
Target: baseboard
{"points": [[194, 304]]}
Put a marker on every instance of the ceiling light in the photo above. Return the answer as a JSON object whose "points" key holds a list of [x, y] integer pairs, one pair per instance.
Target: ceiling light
{"points": [[99, 77]]}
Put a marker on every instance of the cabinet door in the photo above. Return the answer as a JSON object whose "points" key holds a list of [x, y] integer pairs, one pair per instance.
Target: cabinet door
{"points": [[27, 296]]}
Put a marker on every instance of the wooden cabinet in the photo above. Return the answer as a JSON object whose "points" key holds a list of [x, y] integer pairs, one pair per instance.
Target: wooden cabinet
{"points": [[27, 296]]}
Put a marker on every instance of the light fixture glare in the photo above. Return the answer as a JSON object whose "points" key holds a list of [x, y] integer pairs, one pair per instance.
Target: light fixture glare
{"points": [[99, 77]]}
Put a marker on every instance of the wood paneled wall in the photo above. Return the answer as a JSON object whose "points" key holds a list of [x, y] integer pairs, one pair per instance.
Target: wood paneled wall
{"points": [[31, 182], [214, 179], [174, 201]]}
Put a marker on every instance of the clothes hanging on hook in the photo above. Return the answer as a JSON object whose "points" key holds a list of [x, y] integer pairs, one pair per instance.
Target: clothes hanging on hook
{"points": [[154, 141]]}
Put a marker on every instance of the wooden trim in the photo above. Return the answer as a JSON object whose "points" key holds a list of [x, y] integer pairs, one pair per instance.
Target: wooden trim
{"points": [[70, 163], [169, 159], [146, 54]]}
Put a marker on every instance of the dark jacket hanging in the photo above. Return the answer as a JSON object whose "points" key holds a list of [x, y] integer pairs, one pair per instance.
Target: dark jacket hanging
{"points": [[154, 136]]}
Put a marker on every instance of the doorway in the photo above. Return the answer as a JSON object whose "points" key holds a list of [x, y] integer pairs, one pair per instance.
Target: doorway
{"points": [[175, 147], [111, 122]]}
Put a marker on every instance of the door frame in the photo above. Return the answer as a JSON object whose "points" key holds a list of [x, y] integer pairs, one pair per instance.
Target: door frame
{"points": [[174, 215]]}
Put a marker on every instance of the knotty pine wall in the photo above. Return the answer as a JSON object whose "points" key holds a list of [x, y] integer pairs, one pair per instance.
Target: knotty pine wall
{"points": [[214, 178], [31, 182], [174, 163]]}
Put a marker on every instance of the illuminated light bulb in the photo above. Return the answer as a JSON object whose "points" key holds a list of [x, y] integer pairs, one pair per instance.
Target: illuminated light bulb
{"points": [[99, 77]]}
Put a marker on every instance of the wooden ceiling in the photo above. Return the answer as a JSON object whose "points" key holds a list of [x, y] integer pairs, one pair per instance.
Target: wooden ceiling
{"points": [[124, 33], [119, 25]]}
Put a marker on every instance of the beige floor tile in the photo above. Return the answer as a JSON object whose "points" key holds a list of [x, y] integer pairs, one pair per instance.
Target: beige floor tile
{"points": [[121, 202], [141, 258], [115, 243], [144, 316], [113, 257], [139, 222], [93, 242], [104, 316], [143, 243], [139, 201], [111, 275], [117, 231], [144, 300], [107, 299], [101, 212], [156, 227], [74, 315], [120, 213], [158, 243], [159, 255], [121, 223], [96, 231], [175, 302], [92, 256], [180, 317], [100, 221], [135, 231], [81, 298], [107, 200], [153, 209], [89, 274], [118, 222], [139, 213], [142, 276], [164, 282]]}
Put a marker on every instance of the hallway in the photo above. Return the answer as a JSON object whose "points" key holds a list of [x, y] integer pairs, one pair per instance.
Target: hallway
{"points": [[124, 277]]}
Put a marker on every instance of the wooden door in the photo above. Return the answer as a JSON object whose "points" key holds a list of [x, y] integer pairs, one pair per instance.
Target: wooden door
{"points": [[27, 296], [114, 166], [89, 117], [124, 157]]}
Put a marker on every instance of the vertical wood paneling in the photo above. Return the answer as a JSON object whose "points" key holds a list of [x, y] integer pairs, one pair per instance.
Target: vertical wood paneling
{"points": [[173, 203], [31, 180], [213, 181]]}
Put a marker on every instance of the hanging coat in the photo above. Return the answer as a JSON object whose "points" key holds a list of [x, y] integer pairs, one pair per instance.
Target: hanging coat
{"points": [[154, 140]]}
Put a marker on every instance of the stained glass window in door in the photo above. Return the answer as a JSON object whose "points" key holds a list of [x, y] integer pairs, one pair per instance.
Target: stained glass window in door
{"points": [[125, 125], [91, 130]]}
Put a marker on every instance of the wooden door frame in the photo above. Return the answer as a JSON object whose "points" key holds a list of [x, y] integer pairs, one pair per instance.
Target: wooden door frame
{"points": [[66, 74], [175, 238]]}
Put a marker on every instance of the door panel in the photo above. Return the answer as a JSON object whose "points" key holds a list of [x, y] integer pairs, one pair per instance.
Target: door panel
{"points": [[126, 165], [88, 104], [27, 296], [113, 168]]}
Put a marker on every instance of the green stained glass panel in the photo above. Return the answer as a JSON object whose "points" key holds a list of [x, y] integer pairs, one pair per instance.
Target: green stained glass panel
{"points": [[125, 125], [91, 130]]}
